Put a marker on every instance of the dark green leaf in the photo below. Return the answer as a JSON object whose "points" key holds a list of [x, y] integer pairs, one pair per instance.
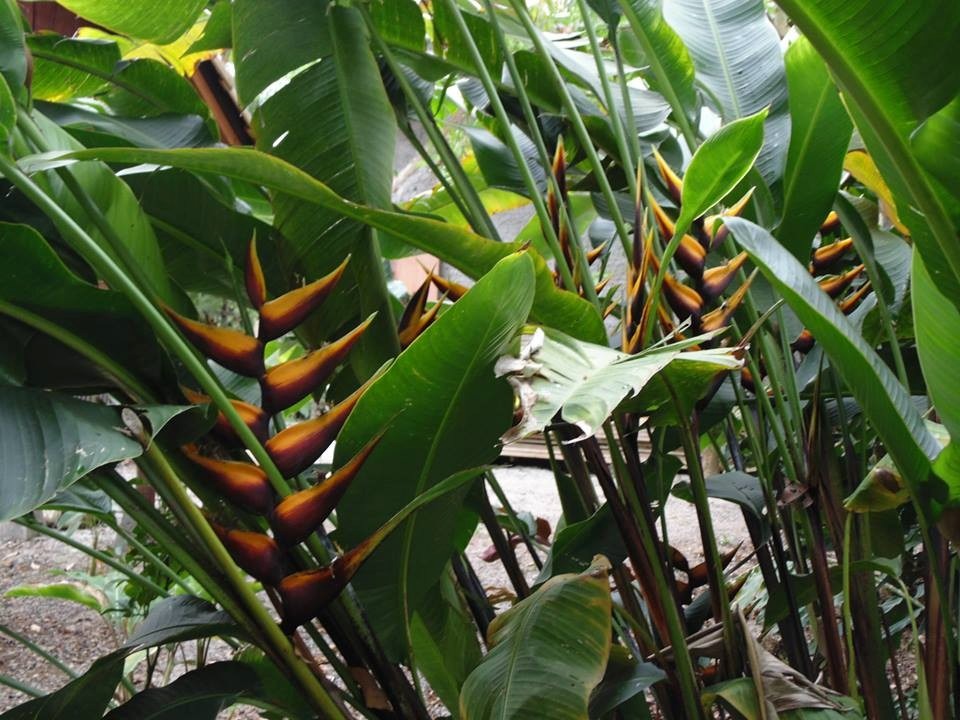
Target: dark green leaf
{"points": [[218, 32], [49, 441], [85, 698], [819, 137], [179, 618], [625, 678], [451, 423], [198, 695], [547, 654], [576, 545], [13, 58]]}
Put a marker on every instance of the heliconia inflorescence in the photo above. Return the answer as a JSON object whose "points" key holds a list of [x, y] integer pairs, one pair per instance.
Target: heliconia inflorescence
{"points": [[293, 450]]}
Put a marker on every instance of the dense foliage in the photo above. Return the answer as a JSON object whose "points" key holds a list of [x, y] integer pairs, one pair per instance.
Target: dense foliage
{"points": [[743, 254]]}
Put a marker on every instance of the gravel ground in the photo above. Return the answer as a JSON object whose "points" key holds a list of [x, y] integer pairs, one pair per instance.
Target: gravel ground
{"points": [[77, 635]]}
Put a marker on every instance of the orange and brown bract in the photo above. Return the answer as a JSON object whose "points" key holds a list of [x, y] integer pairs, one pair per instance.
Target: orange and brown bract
{"points": [[256, 553], [231, 348], [298, 515], [283, 314], [243, 483], [296, 448], [290, 382], [254, 281], [253, 417]]}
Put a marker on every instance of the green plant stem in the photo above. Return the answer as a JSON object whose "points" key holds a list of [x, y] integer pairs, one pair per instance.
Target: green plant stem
{"points": [[847, 614], [625, 95], [576, 120], [663, 81], [120, 567], [511, 513], [501, 114], [698, 485], [279, 643], [623, 146], [478, 217], [642, 549], [25, 688], [530, 117], [36, 649]]}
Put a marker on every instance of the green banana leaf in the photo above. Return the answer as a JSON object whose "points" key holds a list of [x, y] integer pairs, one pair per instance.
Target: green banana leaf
{"points": [[547, 654]]}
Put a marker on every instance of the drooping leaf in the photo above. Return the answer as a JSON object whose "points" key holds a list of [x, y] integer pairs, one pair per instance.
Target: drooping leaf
{"points": [[584, 382], [161, 22], [547, 653], [451, 423], [736, 51], [199, 694], [35, 279], [819, 137], [179, 618], [67, 591], [84, 698], [883, 399], [578, 543], [49, 441], [463, 249], [93, 128], [736, 487], [935, 145]]}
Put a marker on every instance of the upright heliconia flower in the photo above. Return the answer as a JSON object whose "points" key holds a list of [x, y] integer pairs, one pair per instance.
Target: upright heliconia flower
{"points": [[283, 314], [296, 448], [255, 553], [255, 283], [305, 594], [298, 515], [290, 382], [231, 348], [243, 483]]}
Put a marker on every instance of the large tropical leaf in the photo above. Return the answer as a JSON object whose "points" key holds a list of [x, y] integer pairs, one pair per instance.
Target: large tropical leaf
{"points": [[48, 441], [736, 51], [34, 279], [883, 400], [452, 422], [160, 21], [466, 251], [937, 328], [555, 373], [548, 652], [819, 137], [896, 68]]}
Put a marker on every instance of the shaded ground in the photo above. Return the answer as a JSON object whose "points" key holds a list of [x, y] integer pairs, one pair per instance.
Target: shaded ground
{"points": [[78, 635]]}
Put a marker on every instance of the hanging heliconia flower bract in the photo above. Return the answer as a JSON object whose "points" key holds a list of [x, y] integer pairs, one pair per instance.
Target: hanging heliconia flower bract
{"points": [[293, 449]]}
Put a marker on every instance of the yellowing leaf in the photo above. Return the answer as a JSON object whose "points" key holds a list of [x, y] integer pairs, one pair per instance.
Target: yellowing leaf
{"points": [[859, 164]]}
